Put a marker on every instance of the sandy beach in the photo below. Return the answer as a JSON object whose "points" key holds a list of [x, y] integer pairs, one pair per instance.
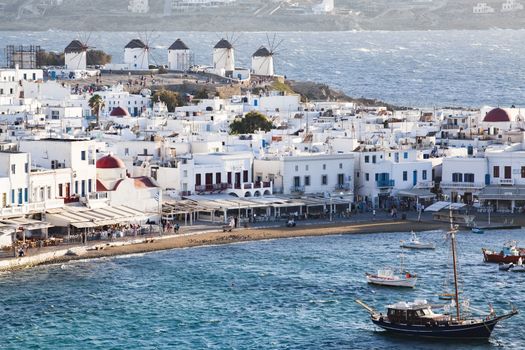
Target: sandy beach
{"points": [[143, 245]]}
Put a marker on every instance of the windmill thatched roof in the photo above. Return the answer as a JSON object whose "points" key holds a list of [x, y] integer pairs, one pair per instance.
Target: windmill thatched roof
{"points": [[75, 46], [179, 45], [262, 52], [223, 44], [135, 44]]}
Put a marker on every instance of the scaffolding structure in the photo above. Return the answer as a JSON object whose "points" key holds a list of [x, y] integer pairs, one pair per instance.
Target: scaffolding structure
{"points": [[25, 57]]}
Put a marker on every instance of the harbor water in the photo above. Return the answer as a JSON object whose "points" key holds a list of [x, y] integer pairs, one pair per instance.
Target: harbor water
{"points": [[281, 294], [411, 68]]}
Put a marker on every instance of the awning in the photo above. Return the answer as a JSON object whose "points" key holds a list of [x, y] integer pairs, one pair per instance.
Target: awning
{"points": [[502, 193], [26, 224], [87, 218], [417, 193], [444, 205]]}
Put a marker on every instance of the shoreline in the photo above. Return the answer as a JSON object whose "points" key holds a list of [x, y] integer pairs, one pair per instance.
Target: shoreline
{"points": [[208, 238]]}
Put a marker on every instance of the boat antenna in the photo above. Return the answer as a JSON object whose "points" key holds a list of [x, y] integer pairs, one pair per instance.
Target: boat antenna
{"points": [[453, 231]]}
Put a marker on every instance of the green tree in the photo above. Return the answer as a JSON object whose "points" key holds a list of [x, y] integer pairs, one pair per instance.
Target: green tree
{"points": [[45, 58], [170, 98], [96, 103], [97, 58], [251, 122]]}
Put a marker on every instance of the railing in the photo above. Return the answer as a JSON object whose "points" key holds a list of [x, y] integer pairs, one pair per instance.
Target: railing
{"points": [[185, 193], [28, 208], [471, 185], [386, 183], [297, 189], [345, 186], [506, 182], [98, 196], [425, 184]]}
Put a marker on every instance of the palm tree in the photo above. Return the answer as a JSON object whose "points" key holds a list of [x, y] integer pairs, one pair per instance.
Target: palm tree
{"points": [[96, 103]]}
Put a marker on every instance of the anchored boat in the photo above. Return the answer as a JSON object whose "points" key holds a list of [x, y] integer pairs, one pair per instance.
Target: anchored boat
{"points": [[418, 319], [510, 253], [387, 277], [415, 243]]}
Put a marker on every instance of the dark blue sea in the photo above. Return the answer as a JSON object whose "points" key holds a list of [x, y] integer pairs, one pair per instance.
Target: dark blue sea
{"points": [[278, 294], [411, 68]]}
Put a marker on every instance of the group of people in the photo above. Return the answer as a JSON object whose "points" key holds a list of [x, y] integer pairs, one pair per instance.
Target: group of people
{"points": [[169, 227]]}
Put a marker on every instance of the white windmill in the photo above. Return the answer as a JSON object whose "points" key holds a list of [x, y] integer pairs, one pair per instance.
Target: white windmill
{"points": [[136, 55], [75, 55], [262, 59], [223, 57], [180, 57]]}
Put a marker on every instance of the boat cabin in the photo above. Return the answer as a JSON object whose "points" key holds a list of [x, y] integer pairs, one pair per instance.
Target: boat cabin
{"points": [[418, 312]]}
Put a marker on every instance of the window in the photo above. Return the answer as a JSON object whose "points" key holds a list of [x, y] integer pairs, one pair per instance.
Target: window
{"points": [[523, 172], [424, 174], [60, 190], [468, 177], [357, 174], [495, 171], [26, 167], [307, 168], [13, 169], [367, 177], [90, 186], [405, 155], [457, 177], [48, 192], [296, 181], [185, 173], [324, 180], [26, 196], [83, 155], [297, 168], [340, 179], [126, 151], [374, 159], [198, 179], [245, 176], [307, 180], [405, 175], [377, 177], [508, 172], [340, 165], [367, 159], [218, 178], [324, 166]]}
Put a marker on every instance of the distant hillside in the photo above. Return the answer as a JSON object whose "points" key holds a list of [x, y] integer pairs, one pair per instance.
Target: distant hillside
{"points": [[256, 15]]}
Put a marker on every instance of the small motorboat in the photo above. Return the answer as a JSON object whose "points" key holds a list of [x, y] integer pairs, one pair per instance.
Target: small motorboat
{"points": [[477, 230], [415, 243], [505, 267], [387, 277], [519, 267], [510, 253]]}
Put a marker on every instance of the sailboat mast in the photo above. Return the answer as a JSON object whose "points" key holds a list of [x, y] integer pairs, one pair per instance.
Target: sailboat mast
{"points": [[453, 240]]}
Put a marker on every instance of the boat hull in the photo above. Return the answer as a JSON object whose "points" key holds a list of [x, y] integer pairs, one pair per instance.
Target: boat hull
{"points": [[417, 246], [400, 283], [476, 330], [493, 257]]}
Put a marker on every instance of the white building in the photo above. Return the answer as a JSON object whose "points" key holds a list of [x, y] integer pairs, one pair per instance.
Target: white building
{"points": [[262, 62], [307, 173], [180, 58], [77, 155], [223, 57], [116, 97], [136, 55], [511, 6], [14, 179], [326, 6], [75, 56], [482, 8], [138, 6]]}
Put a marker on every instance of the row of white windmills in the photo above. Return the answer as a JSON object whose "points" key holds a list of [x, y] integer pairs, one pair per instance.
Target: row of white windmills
{"points": [[180, 57]]}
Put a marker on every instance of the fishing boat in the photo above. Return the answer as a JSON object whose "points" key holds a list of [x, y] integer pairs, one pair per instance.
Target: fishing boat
{"points": [[417, 319], [388, 278], [415, 243], [510, 253], [477, 230]]}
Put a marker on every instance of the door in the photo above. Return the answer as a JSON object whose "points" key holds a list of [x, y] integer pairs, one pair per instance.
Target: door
{"points": [[414, 177], [68, 190], [20, 197], [209, 178], [4, 200], [237, 178]]}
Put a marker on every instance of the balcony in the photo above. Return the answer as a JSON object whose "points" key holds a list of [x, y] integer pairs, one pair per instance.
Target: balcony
{"points": [[462, 185], [343, 187], [32, 208], [386, 183], [505, 182], [297, 189], [425, 184]]}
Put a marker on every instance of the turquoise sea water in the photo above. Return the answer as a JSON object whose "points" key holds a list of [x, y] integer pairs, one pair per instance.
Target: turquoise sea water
{"points": [[279, 294]]}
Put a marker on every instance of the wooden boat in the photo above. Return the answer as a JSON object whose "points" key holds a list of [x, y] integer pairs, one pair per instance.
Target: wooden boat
{"points": [[387, 277], [510, 253], [415, 243], [417, 319]]}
